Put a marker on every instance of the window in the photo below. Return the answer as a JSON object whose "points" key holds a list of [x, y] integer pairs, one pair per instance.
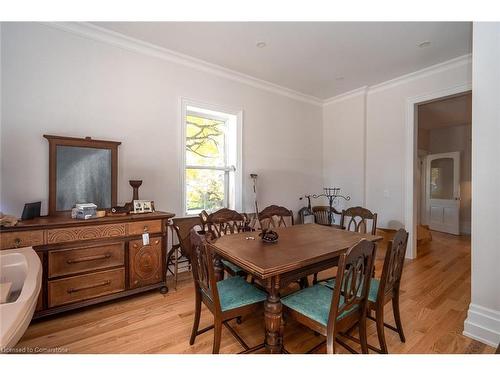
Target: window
{"points": [[212, 166]]}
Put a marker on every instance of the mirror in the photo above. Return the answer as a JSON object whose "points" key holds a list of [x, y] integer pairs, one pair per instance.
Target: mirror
{"points": [[81, 171]]}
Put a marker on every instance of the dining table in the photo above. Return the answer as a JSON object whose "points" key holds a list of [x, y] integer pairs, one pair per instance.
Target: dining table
{"points": [[301, 250]]}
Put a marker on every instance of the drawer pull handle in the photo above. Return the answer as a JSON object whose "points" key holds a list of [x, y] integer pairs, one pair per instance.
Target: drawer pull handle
{"points": [[17, 242], [74, 290], [145, 228], [89, 258], [157, 242]]}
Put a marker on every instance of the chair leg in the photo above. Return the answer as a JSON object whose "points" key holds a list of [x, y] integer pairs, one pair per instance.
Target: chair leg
{"points": [[362, 335], [379, 317], [197, 314], [217, 336], [176, 268], [330, 344], [397, 316]]}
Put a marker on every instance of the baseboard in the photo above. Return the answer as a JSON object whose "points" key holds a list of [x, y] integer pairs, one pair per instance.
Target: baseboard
{"points": [[483, 324]]}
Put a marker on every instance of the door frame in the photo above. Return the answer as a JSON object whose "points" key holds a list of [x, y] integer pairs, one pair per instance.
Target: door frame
{"points": [[411, 158]]}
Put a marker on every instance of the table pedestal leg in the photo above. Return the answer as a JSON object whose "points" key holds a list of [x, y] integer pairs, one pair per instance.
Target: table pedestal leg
{"points": [[273, 317]]}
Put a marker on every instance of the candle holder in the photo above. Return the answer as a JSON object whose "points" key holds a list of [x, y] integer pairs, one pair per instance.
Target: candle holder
{"points": [[331, 194]]}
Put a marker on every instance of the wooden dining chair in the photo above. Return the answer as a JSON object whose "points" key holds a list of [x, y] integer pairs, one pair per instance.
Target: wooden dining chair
{"points": [[355, 219], [275, 216], [178, 255], [330, 312], [321, 214], [224, 222], [226, 299], [386, 289]]}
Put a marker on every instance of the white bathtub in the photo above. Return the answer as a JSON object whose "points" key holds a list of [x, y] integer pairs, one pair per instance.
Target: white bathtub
{"points": [[23, 269]]}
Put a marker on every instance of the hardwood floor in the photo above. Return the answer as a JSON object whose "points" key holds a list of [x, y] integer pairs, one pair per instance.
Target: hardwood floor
{"points": [[434, 302]]}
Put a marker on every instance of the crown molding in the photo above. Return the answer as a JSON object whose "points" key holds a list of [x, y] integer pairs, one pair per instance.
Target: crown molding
{"points": [[116, 39], [347, 95], [422, 73], [419, 74]]}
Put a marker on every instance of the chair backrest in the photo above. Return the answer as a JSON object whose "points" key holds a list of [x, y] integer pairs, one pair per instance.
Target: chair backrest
{"points": [[202, 263], [352, 283], [182, 227], [393, 264], [226, 221], [321, 214], [275, 216], [358, 220]]}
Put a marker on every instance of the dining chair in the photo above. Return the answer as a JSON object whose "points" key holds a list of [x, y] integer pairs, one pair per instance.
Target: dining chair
{"points": [[227, 299], [275, 216], [330, 312], [178, 255], [224, 222], [386, 289], [356, 218], [321, 214]]}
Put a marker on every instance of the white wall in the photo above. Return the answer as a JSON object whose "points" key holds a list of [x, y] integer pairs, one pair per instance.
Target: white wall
{"points": [[384, 114], [483, 320], [343, 153], [56, 82]]}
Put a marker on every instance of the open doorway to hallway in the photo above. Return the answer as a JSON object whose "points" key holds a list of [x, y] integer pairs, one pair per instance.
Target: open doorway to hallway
{"points": [[443, 178]]}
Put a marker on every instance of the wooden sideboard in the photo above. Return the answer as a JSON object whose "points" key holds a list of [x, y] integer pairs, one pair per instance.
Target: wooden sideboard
{"points": [[91, 261]]}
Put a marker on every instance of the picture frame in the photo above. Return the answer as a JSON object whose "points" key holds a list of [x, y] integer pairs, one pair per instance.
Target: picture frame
{"points": [[142, 206]]}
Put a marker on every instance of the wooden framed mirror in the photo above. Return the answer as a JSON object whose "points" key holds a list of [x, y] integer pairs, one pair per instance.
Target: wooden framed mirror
{"points": [[81, 170]]}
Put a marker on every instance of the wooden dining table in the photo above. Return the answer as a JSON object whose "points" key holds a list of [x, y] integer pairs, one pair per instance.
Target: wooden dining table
{"points": [[301, 250]]}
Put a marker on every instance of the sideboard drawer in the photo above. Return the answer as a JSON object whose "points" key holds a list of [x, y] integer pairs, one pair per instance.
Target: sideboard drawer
{"points": [[85, 233], [82, 259], [11, 240], [140, 227], [80, 288]]}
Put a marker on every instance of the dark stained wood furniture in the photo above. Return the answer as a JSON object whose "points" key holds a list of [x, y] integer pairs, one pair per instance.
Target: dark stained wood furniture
{"points": [[387, 288], [331, 312], [90, 261], [221, 223], [178, 255], [300, 251], [275, 216], [355, 219], [321, 215], [226, 299], [56, 141]]}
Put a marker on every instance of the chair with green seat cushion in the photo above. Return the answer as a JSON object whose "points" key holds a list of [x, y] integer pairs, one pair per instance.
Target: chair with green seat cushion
{"points": [[386, 289], [235, 292], [231, 267], [331, 312], [222, 223], [226, 299], [372, 294]]}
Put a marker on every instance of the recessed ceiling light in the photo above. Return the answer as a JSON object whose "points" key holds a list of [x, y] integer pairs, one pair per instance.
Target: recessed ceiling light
{"points": [[424, 44], [261, 44]]}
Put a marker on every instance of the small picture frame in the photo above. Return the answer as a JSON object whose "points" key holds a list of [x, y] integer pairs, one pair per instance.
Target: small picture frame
{"points": [[143, 206]]}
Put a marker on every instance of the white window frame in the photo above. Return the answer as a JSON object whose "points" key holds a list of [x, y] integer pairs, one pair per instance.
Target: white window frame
{"points": [[237, 200]]}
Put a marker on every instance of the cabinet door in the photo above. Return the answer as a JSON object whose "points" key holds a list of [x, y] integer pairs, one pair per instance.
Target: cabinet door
{"points": [[145, 266]]}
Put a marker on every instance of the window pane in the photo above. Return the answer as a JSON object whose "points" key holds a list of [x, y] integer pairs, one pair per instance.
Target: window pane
{"points": [[205, 141], [442, 178], [204, 190]]}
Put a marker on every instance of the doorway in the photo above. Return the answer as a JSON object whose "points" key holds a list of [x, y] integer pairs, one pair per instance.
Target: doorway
{"points": [[443, 168]]}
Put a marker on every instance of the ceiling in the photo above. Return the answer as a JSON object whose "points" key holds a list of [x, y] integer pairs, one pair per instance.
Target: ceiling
{"points": [[453, 111], [321, 59]]}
